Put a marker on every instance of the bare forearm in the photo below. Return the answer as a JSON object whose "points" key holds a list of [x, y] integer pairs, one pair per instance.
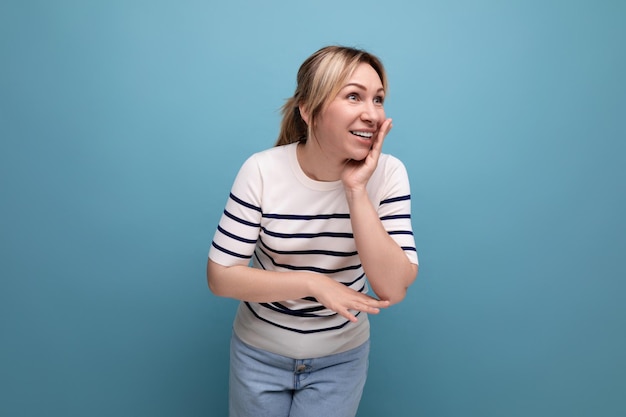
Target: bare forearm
{"points": [[257, 285], [387, 267]]}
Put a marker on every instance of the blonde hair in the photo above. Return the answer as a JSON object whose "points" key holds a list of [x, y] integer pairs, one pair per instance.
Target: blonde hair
{"points": [[319, 80]]}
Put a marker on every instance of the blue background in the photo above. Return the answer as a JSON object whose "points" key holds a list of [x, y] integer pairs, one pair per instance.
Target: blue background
{"points": [[123, 124]]}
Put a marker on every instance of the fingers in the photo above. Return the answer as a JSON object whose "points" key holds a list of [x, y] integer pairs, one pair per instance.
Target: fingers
{"points": [[375, 308], [348, 315], [377, 146], [369, 305], [346, 301], [382, 133]]}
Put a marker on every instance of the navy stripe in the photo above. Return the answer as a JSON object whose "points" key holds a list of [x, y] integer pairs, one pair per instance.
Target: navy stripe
{"points": [[401, 232], [298, 330], [306, 235], [306, 217], [238, 255], [239, 220], [396, 216], [303, 310], [245, 204], [395, 199], [233, 236], [297, 313], [311, 268], [309, 252], [256, 256], [347, 284], [409, 248]]}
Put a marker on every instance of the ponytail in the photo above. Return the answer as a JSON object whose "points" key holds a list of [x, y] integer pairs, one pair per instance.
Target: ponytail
{"points": [[292, 128]]}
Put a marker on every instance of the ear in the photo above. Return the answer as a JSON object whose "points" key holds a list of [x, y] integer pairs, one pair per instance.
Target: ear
{"points": [[303, 113]]}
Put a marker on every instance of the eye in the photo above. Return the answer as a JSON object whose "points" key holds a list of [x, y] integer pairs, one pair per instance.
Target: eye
{"points": [[352, 96], [379, 100]]}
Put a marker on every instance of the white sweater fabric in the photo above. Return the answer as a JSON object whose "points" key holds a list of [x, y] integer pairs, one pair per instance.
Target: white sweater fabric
{"points": [[278, 219]]}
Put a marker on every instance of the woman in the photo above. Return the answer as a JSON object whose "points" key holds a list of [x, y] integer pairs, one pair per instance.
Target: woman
{"points": [[306, 222]]}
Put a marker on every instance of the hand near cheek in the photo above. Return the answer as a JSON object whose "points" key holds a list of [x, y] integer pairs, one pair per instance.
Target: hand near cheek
{"points": [[356, 174]]}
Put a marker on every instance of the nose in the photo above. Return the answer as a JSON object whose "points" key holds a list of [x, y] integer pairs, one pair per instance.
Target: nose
{"points": [[372, 114]]}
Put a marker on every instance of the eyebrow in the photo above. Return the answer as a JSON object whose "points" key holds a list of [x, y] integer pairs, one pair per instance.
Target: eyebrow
{"points": [[361, 86]]}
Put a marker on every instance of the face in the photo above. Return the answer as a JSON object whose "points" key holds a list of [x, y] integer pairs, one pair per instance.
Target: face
{"points": [[347, 127]]}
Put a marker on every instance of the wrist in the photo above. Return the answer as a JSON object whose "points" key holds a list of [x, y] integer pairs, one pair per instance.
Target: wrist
{"points": [[311, 283], [356, 193]]}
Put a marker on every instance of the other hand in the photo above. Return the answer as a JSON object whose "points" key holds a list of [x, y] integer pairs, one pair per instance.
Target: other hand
{"points": [[342, 299]]}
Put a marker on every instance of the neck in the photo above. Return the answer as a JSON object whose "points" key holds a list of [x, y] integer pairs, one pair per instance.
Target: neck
{"points": [[316, 163]]}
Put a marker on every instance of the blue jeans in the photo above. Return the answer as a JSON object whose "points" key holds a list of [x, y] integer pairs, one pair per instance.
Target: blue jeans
{"points": [[264, 384]]}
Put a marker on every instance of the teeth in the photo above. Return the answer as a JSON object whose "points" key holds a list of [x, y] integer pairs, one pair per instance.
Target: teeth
{"points": [[363, 134]]}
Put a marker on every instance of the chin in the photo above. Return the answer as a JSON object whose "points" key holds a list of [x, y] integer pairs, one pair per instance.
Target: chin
{"points": [[359, 156]]}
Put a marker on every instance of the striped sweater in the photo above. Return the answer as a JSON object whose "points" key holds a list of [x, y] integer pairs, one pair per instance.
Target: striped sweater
{"points": [[276, 218]]}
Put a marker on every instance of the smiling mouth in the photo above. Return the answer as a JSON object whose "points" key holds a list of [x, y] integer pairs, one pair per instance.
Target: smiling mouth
{"points": [[364, 135]]}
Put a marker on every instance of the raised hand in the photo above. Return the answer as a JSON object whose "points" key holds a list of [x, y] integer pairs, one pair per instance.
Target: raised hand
{"points": [[356, 174]]}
